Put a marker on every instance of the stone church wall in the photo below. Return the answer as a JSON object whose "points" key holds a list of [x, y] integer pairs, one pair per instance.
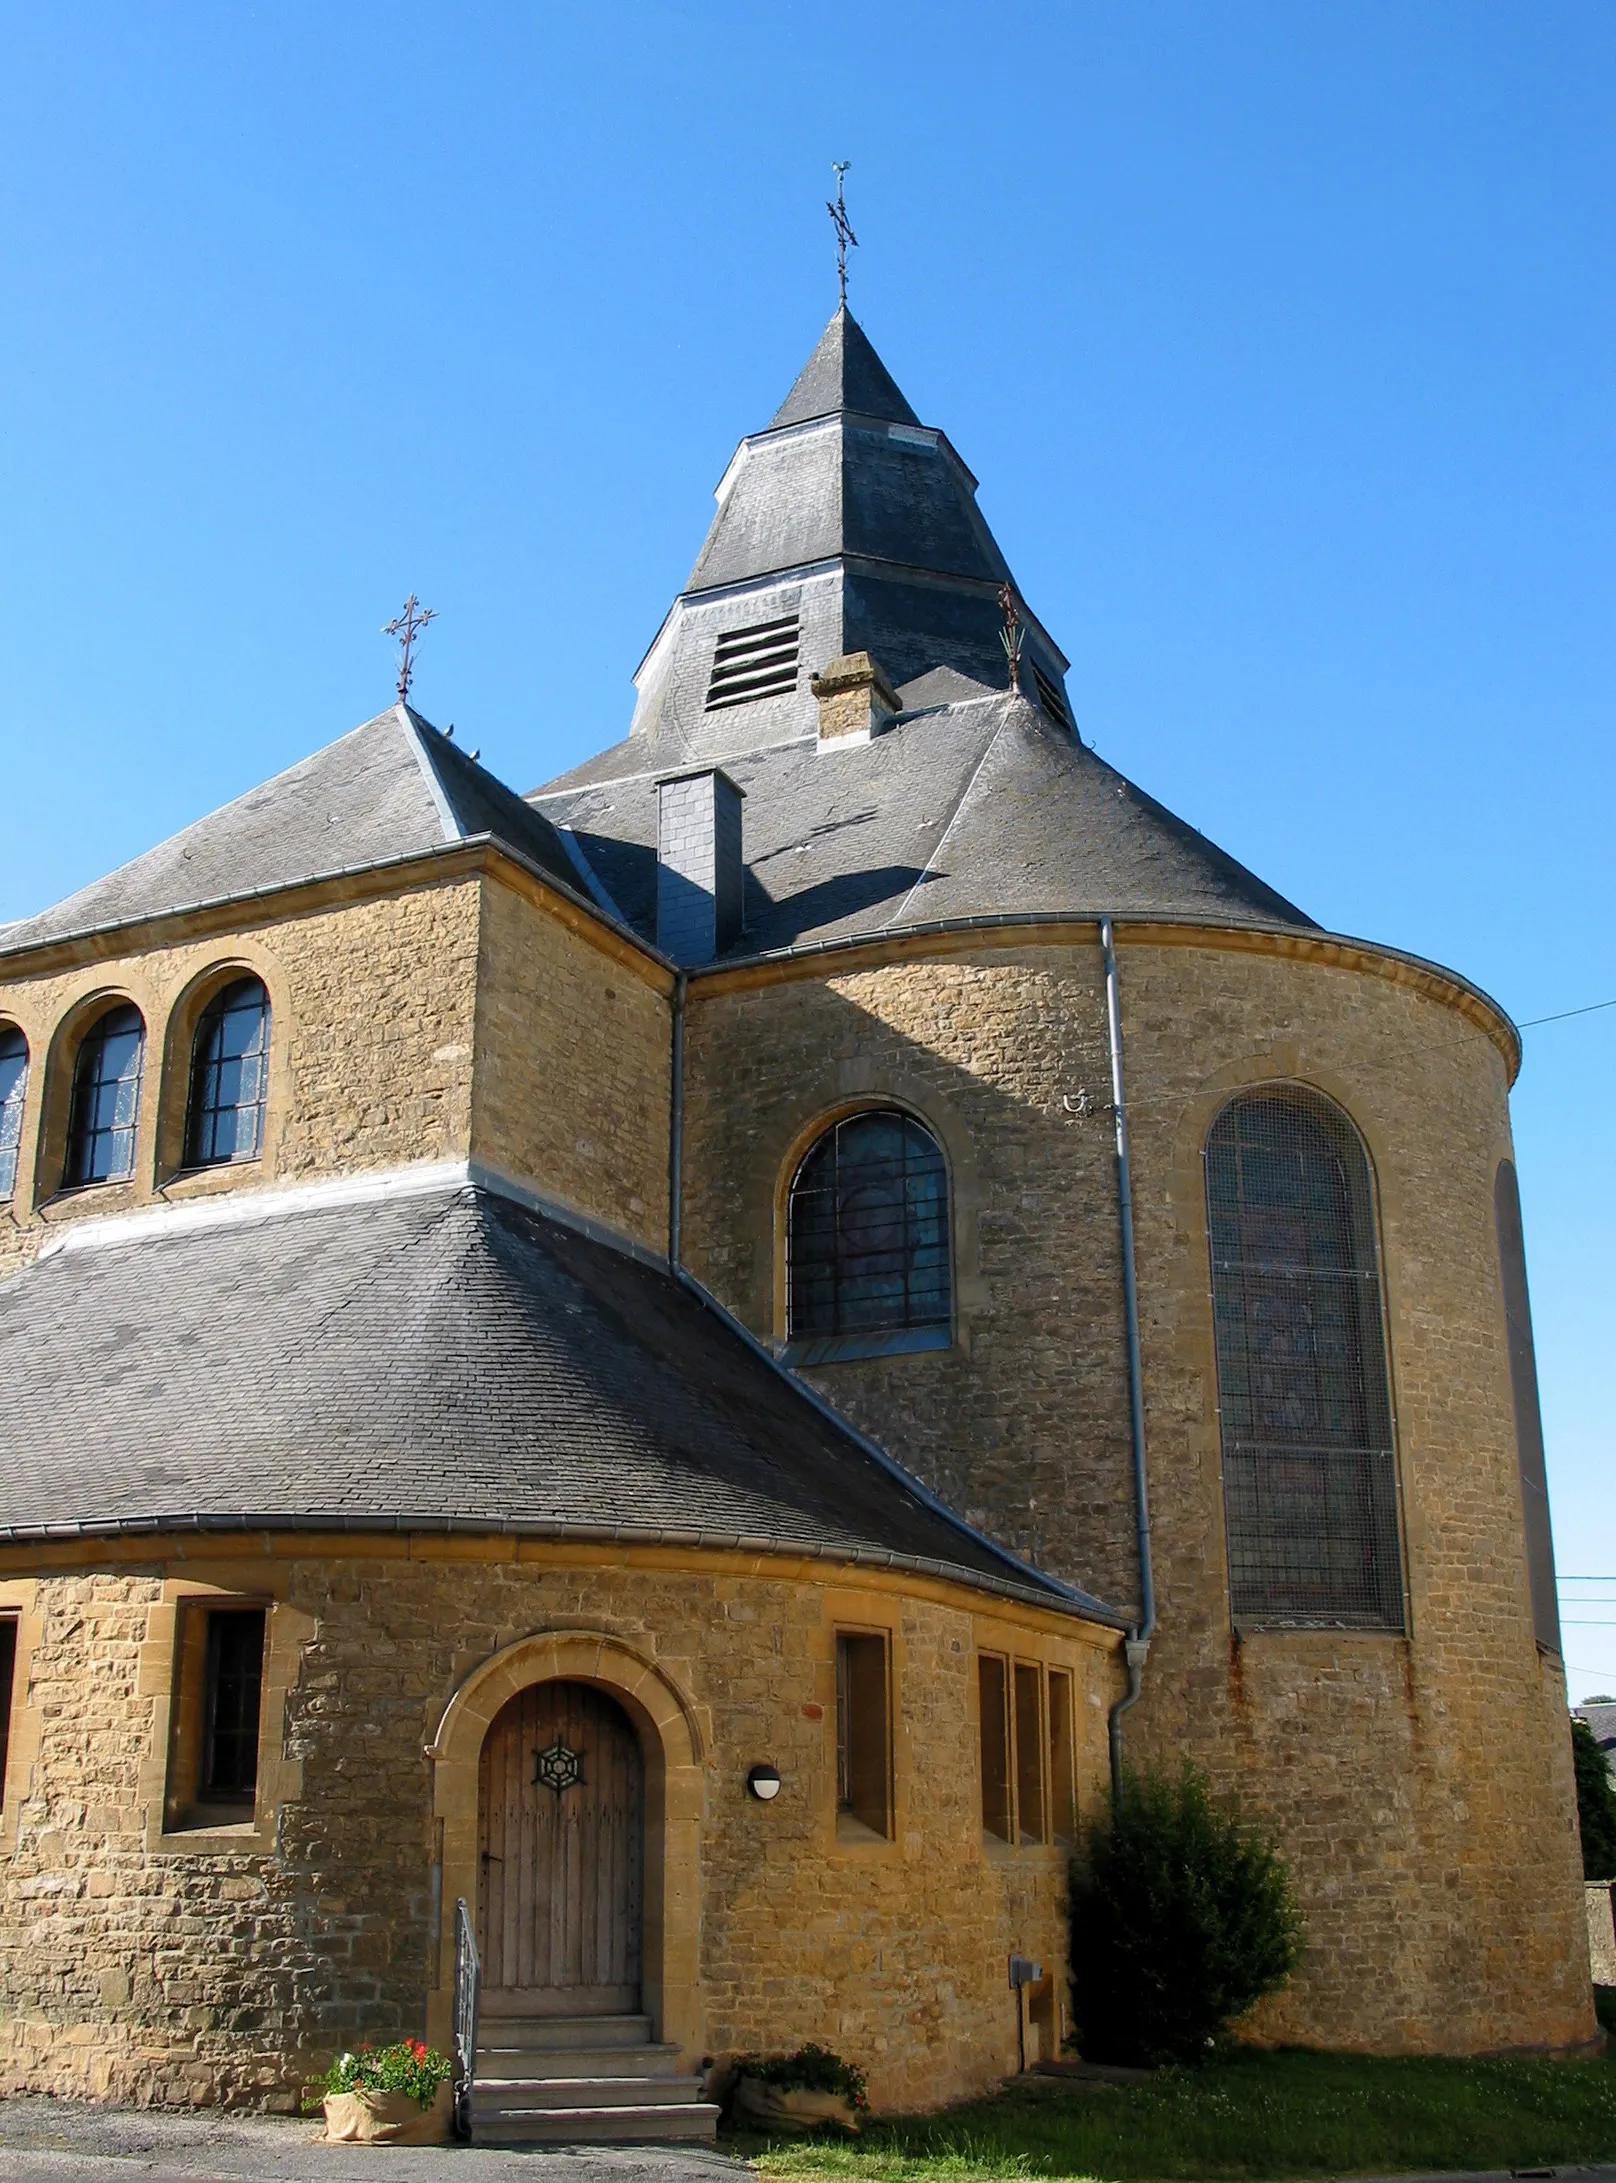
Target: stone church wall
{"points": [[573, 1065], [370, 1060], [147, 1965], [1420, 1784]]}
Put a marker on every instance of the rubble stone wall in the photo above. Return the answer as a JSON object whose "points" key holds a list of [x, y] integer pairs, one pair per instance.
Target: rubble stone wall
{"points": [[1419, 1782], [141, 1965]]}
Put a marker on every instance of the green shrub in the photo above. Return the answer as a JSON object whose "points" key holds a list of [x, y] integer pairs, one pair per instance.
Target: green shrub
{"points": [[1182, 1918], [407, 2067], [1596, 1803], [810, 2069]]}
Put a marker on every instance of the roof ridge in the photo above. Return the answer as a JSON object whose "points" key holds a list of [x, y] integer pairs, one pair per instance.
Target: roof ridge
{"points": [[412, 725]]}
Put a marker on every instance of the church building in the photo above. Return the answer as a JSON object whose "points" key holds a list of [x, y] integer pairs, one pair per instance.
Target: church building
{"points": [[621, 1401]]}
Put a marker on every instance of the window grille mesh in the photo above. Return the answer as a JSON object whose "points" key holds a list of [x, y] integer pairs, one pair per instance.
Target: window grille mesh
{"points": [[1309, 1474], [13, 1091], [756, 662], [229, 1077], [1049, 696], [106, 1099], [867, 1230]]}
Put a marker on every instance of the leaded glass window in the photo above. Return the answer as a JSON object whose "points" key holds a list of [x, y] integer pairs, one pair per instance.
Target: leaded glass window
{"points": [[229, 1077], [106, 1098], [13, 1091], [1309, 1474], [867, 1230]]}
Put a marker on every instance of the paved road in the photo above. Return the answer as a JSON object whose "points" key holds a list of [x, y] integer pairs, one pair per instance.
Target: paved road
{"points": [[63, 2141], [71, 2141]]}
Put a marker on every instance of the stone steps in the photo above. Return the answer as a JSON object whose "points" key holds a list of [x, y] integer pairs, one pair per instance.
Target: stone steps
{"points": [[583, 2080], [696, 2124]]}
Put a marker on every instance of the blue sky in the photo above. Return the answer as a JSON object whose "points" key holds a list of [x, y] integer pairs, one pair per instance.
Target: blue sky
{"points": [[1279, 337]]}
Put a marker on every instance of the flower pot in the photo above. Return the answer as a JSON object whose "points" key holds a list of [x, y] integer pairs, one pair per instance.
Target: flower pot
{"points": [[364, 2117], [772, 2107]]}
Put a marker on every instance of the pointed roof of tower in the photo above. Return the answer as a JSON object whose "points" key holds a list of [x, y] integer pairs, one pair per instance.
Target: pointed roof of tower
{"points": [[393, 788], [844, 372]]}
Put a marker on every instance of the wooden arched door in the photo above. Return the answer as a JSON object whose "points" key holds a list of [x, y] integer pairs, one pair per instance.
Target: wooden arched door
{"points": [[562, 1824]]}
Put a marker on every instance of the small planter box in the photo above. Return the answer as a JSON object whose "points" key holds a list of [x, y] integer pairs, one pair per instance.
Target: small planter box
{"points": [[388, 2118], [770, 2107]]}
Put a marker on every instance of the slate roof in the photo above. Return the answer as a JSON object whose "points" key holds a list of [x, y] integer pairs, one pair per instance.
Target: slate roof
{"points": [[862, 524], [844, 372], [976, 806], [430, 1358], [392, 788]]}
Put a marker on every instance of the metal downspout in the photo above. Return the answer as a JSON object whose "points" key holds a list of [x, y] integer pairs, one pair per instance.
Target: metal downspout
{"points": [[676, 1126], [1136, 1645]]}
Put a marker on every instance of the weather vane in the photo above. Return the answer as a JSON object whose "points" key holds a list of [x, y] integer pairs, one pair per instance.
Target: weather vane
{"points": [[843, 226], [407, 628], [1011, 634]]}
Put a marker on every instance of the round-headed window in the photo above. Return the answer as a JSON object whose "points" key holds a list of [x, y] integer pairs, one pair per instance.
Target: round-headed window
{"points": [[106, 1098], [13, 1092], [229, 1077], [867, 1230], [1304, 1398]]}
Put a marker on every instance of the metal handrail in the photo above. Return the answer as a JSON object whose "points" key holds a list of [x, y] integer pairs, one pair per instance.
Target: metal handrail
{"points": [[467, 1999]]}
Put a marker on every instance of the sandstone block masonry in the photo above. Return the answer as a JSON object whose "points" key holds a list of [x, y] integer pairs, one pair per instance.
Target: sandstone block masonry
{"points": [[148, 1965], [1420, 1781]]}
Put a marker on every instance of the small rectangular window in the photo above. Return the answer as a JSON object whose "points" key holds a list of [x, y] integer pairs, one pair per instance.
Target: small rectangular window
{"points": [[1030, 1751], [235, 1674], [993, 1689], [863, 1737], [1062, 1767], [8, 1676], [217, 1711]]}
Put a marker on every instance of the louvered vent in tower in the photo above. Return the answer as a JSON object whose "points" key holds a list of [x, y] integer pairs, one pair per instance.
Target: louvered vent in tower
{"points": [[1049, 696], [756, 662]]}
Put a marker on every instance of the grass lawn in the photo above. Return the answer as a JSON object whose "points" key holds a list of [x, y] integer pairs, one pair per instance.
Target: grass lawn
{"points": [[1253, 2115]]}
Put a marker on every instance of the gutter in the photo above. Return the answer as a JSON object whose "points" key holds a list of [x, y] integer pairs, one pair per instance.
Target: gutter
{"points": [[563, 1530], [1136, 1645]]}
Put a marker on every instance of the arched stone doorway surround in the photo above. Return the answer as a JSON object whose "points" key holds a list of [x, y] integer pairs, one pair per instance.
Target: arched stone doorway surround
{"points": [[671, 1739]]}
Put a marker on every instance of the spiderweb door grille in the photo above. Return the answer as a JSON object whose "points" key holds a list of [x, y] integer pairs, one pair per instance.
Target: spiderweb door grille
{"points": [[1309, 1475]]}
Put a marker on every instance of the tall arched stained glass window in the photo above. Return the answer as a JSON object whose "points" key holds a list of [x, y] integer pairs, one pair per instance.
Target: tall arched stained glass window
{"points": [[1309, 1473], [229, 1077], [867, 1236], [13, 1091], [106, 1098]]}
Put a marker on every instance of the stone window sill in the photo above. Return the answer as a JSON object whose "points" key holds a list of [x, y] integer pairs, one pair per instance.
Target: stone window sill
{"points": [[846, 1348], [209, 1832]]}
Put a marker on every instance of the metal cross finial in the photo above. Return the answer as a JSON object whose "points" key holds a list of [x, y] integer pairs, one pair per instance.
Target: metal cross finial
{"points": [[407, 627], [843, 226], [1011, 634]]}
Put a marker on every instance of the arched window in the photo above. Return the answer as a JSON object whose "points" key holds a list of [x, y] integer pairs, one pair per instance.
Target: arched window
{"points": [[1309, 1475], [13, 1091], [867, 1237], [229, 1077], [106, 1098]]}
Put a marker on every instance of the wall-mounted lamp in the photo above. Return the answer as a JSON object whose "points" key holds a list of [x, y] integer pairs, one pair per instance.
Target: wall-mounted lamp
{"points": [[764, 1783]]}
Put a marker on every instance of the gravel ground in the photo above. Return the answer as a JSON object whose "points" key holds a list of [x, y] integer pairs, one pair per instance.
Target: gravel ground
{"points": [[59, 2141]]}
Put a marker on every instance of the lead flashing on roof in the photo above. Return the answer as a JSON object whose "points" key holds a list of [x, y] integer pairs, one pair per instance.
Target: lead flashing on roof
{"points": [[245, 1208]]}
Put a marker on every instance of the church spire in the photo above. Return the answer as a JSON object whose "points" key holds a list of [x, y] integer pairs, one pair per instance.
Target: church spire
{"points": [[844, 373]]}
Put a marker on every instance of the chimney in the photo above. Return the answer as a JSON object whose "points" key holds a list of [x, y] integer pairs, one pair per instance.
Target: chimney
{"points": [[856, 700], [699, 869]]}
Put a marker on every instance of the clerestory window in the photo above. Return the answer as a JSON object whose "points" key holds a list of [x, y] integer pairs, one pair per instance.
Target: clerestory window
{"points": [[106, 1098], [13, 1092], [1304, 1399], [867, 1246], [229, 1077]]}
